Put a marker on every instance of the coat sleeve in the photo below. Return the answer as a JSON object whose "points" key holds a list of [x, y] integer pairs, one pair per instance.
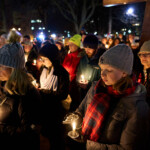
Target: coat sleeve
{"points": [[134, 135]]}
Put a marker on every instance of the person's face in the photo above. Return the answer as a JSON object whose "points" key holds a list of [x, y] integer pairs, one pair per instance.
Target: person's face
{"points": [[5, 73], [26, 40], [104, 41], [90, 52], [116, 42], [45, 61], [73, 47], [120, 36], [2, 41], [110, 41], [111, 75], [27, 48], [145, 59]]}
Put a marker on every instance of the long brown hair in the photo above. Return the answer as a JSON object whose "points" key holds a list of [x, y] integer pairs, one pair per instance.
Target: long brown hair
{"points": [[18, 83], [123, 84]]}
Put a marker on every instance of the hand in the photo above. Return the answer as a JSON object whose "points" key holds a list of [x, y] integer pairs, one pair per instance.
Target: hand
{"points": [[83, 85]]}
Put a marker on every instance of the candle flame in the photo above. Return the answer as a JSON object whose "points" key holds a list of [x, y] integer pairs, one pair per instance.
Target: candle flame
{"points": [[74, 126], [82, 77]]}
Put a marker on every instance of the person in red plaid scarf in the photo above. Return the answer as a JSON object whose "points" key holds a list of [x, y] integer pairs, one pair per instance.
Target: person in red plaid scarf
{"points": [[115, 113]]}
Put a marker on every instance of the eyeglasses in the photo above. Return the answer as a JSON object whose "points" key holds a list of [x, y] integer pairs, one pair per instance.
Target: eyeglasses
{"points": [[43, 60], [144, 55]]}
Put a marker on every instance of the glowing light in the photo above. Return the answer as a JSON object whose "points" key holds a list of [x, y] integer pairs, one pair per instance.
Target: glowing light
{"points": [[53, 35], [129, 31], [41, 36], [32, 28], [13, 29], [130, 11]]}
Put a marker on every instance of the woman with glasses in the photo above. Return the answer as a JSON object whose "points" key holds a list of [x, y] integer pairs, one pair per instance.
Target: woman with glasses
{"points": [[144, 76], [54, 88]]}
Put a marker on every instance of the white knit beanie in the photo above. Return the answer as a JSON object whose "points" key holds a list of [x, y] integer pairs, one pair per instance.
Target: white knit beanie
{"points": [[12, 55], [120, 57]]}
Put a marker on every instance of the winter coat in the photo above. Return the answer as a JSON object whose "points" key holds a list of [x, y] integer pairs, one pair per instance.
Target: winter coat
{"points": [[51, 100], [89, 68], [126, 127], [71, 62], [141, 79], [19, 120]]}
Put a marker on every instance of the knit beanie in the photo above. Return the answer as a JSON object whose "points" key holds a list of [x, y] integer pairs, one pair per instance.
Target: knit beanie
{"points": [[120, 57], [90, 41], [76, 39], [12, 55], [50, 51], [145, 47]]}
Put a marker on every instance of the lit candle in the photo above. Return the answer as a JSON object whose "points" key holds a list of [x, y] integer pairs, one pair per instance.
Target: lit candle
{"points": [[34, 62], [82, 78], [26, 58], [107, 46], [74, 128]]}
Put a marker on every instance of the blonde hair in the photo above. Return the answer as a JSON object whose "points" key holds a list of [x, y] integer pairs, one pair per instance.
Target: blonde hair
{"points": [[123, 84], [18, 83], [14, 36], [66, 41]]}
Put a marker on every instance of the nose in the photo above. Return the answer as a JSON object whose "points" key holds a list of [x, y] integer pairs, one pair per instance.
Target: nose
{"points": [[103, 73]]}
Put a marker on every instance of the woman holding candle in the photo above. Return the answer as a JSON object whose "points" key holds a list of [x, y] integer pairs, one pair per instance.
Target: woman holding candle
{"points": [[19, 100], [54, 88], [115, 112]]}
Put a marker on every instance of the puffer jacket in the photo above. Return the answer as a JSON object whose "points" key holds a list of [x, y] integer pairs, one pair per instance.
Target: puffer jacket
{"points": [[126, 127]]}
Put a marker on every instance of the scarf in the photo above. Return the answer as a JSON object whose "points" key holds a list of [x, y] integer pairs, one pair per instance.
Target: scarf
{"points": [[98, 108], [49, 81]]}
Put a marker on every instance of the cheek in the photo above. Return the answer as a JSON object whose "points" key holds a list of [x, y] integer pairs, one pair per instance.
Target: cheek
{"points": [[113, 78]]}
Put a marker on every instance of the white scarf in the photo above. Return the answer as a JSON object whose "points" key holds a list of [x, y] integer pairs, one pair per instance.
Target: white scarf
{"points": [[49, 81]]}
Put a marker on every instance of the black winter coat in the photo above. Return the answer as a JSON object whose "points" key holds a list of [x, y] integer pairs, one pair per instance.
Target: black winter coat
{"points": [[18, 120]]}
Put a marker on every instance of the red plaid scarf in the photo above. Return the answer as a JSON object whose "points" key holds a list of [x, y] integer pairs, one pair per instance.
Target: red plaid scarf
{"points": [[96, 111]]}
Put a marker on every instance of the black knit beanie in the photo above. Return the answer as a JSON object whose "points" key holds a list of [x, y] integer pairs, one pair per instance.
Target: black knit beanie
{"points": [[90, 41], [51, 52]]}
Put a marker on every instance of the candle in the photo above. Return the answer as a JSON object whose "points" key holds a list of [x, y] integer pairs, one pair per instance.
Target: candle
{"points": [[26, 58], [73, 133], [82, 78], [107, 46], [34, 62]]}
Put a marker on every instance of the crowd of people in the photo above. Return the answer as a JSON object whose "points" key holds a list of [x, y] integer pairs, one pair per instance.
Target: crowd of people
{"points": [[107, 82]]}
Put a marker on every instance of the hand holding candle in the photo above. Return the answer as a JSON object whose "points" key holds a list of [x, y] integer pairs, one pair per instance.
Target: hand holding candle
{"points": [[73, 133], [83, 81], [35, 84], [34, 62]]}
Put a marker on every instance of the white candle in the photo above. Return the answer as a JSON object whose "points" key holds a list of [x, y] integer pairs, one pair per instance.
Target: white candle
{"points": [[34, 62], [107, 46], [74, 128], [82, 78]]}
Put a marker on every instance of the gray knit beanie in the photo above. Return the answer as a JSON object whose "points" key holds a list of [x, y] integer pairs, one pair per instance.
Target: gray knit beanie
{"points": [[120, 57], [145, 47], [12, 55]]}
